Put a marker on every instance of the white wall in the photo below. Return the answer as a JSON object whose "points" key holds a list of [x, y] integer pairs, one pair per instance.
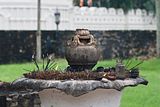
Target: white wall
{"points": [[22, 15]]}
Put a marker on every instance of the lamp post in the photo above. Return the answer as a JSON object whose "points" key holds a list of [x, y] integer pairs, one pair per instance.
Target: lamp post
{"points": [[57, 20], [38, 35]]}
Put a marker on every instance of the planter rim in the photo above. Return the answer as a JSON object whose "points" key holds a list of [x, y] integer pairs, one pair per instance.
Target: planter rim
{"points": [[72, 87]]}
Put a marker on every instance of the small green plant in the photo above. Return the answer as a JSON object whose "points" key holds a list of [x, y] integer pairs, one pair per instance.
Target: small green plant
{"points": [[130, 61], [49, 66]]}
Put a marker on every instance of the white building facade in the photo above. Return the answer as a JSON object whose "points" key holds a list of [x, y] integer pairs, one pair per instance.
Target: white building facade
{"points": [[21, 15]]}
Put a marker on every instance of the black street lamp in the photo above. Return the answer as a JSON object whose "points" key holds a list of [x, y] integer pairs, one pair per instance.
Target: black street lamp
{"points": [[57, 20]]}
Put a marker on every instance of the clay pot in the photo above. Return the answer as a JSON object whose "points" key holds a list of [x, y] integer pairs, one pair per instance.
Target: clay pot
{"points": [[82, 52]]}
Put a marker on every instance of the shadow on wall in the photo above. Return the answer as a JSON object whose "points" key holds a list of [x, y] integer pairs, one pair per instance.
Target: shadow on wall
{"points": [[18, 46], [125, 44]]}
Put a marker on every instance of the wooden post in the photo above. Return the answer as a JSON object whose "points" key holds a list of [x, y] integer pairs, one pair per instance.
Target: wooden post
{"points": [[158, 27], [38, 36], [3, 102]]}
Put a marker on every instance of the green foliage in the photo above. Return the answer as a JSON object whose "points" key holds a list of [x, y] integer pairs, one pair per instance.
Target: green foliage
{"points": [[149, 5], [50, 64]]}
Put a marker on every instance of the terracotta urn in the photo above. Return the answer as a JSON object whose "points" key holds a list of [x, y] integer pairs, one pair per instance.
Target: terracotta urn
{"points": [[81, 51]]}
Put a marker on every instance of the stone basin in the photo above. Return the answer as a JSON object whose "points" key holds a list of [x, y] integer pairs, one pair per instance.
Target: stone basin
{"points": [[72, 93]]}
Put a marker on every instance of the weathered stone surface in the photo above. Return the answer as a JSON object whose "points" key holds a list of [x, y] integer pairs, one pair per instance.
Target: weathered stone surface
{"points": [[24, 100], [73, 87], [96, 98], [23, 92]]}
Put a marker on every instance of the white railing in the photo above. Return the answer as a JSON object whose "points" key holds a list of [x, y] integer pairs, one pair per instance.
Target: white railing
{"points": [[21, 16], [112, 19]]}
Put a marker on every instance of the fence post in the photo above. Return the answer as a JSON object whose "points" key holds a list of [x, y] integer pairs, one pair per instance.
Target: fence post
{"points": [[158, 27]]}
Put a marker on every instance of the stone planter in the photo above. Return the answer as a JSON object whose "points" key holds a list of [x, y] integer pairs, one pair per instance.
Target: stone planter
{"points": [[69, 93]]}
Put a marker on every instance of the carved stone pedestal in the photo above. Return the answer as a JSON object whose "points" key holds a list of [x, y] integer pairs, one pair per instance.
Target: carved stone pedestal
{"points": [[97, 98], [69, 93]]}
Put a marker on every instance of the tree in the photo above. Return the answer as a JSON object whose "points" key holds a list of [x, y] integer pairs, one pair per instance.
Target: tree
{"points": [[126, 5]]}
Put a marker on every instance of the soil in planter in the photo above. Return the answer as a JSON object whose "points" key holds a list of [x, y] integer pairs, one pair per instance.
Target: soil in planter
{"points": [[98, 74]]}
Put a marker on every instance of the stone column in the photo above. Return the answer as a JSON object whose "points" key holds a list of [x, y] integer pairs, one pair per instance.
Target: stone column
{"points": [[37, 102], [97, 98], [3, 101]]}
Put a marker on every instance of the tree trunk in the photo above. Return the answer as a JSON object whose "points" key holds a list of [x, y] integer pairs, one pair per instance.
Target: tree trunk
{"points": [[158, 26]]}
